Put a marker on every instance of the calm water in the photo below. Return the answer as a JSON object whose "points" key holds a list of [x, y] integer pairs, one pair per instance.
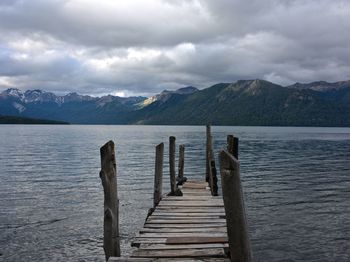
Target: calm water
{"points": [[296, 184]]}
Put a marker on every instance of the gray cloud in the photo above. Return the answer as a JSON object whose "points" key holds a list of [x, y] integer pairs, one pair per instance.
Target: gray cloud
{"points": [[141, 47]]}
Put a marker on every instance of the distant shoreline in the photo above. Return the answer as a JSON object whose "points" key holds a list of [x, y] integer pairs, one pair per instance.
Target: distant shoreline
{"points": [[29, 121]]}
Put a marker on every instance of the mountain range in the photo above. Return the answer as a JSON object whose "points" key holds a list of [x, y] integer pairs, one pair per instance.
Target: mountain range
{"points": [[245, 102]]}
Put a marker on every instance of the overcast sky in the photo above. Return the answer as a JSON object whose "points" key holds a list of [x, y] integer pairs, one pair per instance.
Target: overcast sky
{"points": [[140, 47]]}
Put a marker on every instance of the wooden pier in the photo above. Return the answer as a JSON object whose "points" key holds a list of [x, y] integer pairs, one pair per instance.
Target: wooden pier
{"points": [[186, 227], [191, 223]]}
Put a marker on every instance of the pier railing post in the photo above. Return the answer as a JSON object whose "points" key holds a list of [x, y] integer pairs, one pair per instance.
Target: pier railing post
{"points": [[210, 164], [172, 163], [237, 231], [213, 179], [174, 191], [108, 175], [207, 152], [180, 177], [158, 174], [232, 145]]}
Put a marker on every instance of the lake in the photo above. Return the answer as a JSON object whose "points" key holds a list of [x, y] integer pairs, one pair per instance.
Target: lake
{"points": [[296, 182]]}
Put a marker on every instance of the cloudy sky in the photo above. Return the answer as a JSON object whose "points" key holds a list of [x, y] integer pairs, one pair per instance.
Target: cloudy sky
{"points": [[140, 47]]}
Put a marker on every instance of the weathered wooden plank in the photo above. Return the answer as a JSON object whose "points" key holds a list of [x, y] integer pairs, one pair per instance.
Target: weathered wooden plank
{"points": [[174, 218], [185, 221], [194, 198], [191, 198], [195, 259], [192, 204], [181, 234], [205, 252], [189, 209], [128, 259], [203, 203], [194, 186], [195, 189], [195, 240], [200, 200], [187, 196], [192, 214], [184, 230], [203, 190], [221, 224], [142, 240], [188, 192], [190, 186], [183, 246], [187, 228], [191, 192], [175, 215], [196, 182]]}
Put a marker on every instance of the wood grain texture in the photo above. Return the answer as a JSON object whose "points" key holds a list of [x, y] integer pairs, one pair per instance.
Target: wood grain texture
{"points": [[191, 227], [108, 175], [237, 229], [164, 253], [195, 240], [158, 174], [172, 164], [183, 259]]}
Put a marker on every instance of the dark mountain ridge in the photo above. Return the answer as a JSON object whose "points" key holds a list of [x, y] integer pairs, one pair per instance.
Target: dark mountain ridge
{"points": [[337, 92], [251, 102], [245, 102]]}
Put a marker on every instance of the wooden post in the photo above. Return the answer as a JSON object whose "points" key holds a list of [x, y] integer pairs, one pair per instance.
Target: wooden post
{"points": [[214, 179], [172, 164], [207, 168], [173, 187], [210, 164], [180, 177], [232, 145], [237, 231], [181, 161], [158, 174], [211, 180], [108, 175]]}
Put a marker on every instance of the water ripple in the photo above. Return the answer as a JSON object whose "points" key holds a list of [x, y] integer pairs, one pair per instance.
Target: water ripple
{"points": [[296, 184]]}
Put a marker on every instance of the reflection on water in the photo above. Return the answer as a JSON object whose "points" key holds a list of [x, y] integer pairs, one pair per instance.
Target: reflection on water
{"points": [[296, 183]]}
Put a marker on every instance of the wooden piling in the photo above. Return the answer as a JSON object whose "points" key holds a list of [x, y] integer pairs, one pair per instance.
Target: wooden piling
{"points": [[232, 145], [213, 179], [172, 164], [181, 161], [180, 177], [108, 175], [210, 164], [237, 231], [158, 174], [207, 168]]}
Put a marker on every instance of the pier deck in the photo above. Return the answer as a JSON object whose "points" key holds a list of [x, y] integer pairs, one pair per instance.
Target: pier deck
{"points": [[191, 227], [191, 223]]}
